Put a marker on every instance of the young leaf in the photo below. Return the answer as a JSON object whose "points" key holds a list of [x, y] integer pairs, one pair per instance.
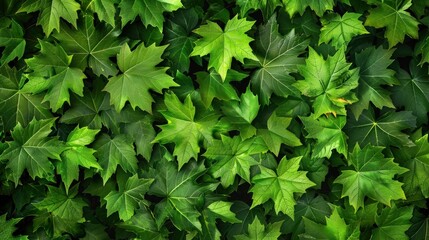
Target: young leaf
{"points": [[329, 135], [12, 39], [150, 11], [392, 14], [216, 210], [126, 200], [233, 156], [52, 73], [91, 45], [139, 75], [374, 73], [392, 223], [384, 130], [339, 30], [51, 11], [77, 154], [8, 228], [223, 45], [183, 129], [329, 82], [371, 176], [299, 6], [17, 106], [113, 152], [280, 186], [105, 9], [256, 230], [277, 58], [31, 149]]}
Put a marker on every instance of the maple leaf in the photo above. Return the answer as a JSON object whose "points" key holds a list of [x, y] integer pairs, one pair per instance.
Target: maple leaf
{"points": [[257, 230], [142, 133], [31, 149], [277, 134], [150, 11], [51, 11], [233, 156], [139, 75], [329, 135], [52, 73], [8, 228], [413, 91], [17, 106], [105, 9], [183, 129], [63, 205], [299, 6], [393, 222], [77, 154], [112, 152], [280, 185], [392, 14], [277, 59], [416, 159], [131, 192], [223, 45], [12, 39], [329, 82], [339, 30], [383, 130], [267, 7], [371, 176], [180, 193], [216, 210], [91, 45], [335, 228], [373, 64]]}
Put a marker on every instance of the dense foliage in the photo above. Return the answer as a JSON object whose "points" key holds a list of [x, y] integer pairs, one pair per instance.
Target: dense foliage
{"points": [[214, 119]]}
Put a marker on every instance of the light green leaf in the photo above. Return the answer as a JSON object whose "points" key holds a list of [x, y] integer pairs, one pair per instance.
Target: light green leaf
{"points": [[105, 9], [256, 230], [8, 228], [299, 6]]}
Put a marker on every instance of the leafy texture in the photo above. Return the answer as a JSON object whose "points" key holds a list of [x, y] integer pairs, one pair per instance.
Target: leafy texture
{"points": [[392, 223], [8, 227], [258, 231], [277, 58], [139, 74], [12, 39], [329, 82], [280, 185], [105, 9], [339, 30], [223, 45], [299, 6], [392, 14], [371, 176]]}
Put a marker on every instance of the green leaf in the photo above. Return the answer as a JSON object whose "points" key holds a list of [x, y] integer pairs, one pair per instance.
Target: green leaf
{"points": [[371, 176], [95, 232], [329, 135], [126, 200], [77, 154], [413, 91], [139, 75], [256, 230], [392, 223], [339, 30], [424, 50], [241, 114], [299, 6], [223, 45], [150, 11], [52, 73], [143, 134], [143, 224], [374, 75], [184, 129], [91, 45], [12, 39], [335, 228], [277, 59], [112, 152], [329, 82], [51, 11], [17, 106], [233, 156], [31, 149], [8, 228], [63, 205], [277, 134], [383, 130], [105, 9], [280, 186], [416, 159], [216, 210], [392, 14]]}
